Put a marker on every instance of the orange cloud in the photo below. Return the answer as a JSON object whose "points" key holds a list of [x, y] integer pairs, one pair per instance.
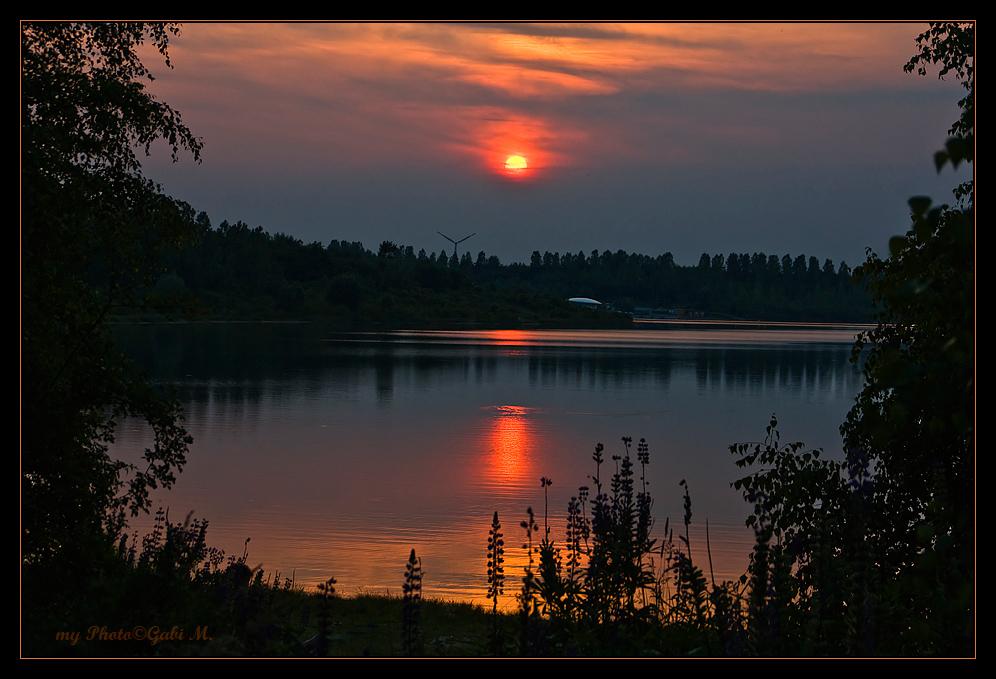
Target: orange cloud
{"points": [[372, 93]]}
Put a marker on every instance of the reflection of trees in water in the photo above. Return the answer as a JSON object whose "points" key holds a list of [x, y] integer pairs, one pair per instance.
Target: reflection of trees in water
{"points": [[797, 369], [800, 369], [244, 364]]}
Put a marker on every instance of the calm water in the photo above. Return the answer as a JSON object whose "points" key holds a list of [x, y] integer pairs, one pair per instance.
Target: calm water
{"points": [[337, 454]]}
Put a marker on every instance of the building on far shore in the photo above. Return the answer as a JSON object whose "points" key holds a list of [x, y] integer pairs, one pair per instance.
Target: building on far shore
{"points": [[586, 301]]}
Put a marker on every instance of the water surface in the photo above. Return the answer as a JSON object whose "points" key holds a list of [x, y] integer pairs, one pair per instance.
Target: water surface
{"points": [[338, 453]]}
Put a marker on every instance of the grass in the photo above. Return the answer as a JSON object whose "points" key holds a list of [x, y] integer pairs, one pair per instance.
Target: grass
{"points": [[608, 590], [614, 592], [368, 626], [218, 607], [259, 620]]}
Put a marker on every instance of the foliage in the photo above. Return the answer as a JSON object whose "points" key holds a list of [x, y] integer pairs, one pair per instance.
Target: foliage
{"points": [[532, 628], [496, 578], [806, 516], [952, 46], [915, 417], [92, 232], [875, 554], [613, 595], [618, 570], [326, 595], [411, 612], [169, 594], [248, 273]]}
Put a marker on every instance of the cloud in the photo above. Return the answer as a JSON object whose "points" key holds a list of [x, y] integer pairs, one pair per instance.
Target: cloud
{"points": [[712, 113]]}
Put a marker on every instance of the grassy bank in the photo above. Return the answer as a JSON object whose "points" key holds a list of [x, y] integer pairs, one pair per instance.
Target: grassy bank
{"points": [[287, 624], [176, 597], [608, 589]]}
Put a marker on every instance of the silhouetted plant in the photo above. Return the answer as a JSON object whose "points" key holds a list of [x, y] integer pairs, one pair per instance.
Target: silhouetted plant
{"points": [[618, 567], [496, 561], [177, 550], [326, 594], [611, 596], [551, 586], [577, 541], [544, 484], [411, 611], [552, 589], [529, 602], [812, 573], [496, 578], [691, 580]]}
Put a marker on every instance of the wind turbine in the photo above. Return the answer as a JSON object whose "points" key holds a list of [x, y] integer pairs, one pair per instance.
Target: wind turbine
{"points": [[455, 242]]}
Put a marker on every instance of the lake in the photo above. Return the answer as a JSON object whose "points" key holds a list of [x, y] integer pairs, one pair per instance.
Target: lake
{"points": [[339, 453]]}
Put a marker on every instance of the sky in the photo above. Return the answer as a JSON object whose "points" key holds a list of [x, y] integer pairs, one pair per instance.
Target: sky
{"points": [[781, 138]]}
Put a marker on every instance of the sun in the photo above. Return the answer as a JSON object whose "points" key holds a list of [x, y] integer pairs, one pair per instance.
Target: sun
{"points": [[516, 165]]}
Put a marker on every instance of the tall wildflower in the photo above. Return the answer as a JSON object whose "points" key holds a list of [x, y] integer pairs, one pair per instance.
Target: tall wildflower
{"points": [[496, 560], [411, 611]]}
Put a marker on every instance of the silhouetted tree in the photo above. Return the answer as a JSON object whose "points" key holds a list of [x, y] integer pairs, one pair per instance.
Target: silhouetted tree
{"points": [[93, 231]]}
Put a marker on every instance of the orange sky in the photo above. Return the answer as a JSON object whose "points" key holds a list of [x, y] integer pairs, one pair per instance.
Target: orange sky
{"points": [[408, 91], [453, 101]]}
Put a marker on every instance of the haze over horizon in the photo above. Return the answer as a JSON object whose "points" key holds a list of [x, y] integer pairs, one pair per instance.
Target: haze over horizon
{"points": [[781, 138]]}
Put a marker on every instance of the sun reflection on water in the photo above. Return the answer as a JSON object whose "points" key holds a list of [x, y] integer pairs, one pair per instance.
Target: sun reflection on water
{"points": [[510, 443]]}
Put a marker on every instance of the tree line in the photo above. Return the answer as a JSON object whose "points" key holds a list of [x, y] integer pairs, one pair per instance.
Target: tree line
{"points": [[237, 270]]}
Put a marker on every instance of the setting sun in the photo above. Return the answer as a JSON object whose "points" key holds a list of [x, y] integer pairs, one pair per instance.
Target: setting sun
{"points": [[515, 165]]}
